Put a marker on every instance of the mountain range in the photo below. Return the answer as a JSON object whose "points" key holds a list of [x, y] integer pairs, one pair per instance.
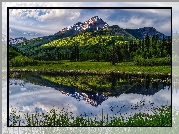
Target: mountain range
{"points": [[95, 24], [16, 40]]}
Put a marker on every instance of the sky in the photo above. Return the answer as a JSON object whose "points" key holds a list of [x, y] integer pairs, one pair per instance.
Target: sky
{"points": [[32, 23]]}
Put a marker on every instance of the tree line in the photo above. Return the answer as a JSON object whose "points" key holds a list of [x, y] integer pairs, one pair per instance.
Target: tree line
{"points": [[112, 49]]}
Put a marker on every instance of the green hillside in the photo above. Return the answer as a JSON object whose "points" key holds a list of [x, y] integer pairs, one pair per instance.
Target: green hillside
{"points": [[13, 53], [63, 49], [16, 58], [111, 44]]}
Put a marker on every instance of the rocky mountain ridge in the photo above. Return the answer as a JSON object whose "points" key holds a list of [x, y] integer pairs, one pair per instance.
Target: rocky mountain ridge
{"points": [[94, 23]]}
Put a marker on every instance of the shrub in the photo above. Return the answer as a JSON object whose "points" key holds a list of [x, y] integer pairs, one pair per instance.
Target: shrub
{"points": [[20, 61], [153, 61]]}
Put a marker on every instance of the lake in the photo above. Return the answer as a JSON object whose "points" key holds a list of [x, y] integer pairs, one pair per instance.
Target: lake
{"points": [[113, 94]]}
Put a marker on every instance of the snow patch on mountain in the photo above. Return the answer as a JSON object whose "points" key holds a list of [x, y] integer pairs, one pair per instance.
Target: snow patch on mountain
{"points": [[94, 23], [13, 41]]}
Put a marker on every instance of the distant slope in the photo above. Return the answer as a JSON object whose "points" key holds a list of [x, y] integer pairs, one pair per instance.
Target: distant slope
{"points": [[115, 30], [140, 33], [13, 41], [13, 53], [62, 48]]}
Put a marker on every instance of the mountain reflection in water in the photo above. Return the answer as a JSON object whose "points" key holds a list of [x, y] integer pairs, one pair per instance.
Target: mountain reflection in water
{"points": [[135, 85], [119, 95]]}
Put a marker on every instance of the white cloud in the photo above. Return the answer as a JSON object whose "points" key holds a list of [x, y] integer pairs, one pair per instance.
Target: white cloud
{"points": [[154, 11], [48, 14], [34, 28], [133, 22], [32, 14], [16, 12], [55, 15], [74, 15], [52, 14], [137, 21], [140, 22], [45, 27], [165, 28]]}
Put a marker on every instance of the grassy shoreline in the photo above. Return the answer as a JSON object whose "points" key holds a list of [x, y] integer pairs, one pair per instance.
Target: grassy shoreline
{"points": [[94, 68], [160, 117]]}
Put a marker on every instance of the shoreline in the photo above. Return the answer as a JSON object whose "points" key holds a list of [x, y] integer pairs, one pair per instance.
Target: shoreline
{"points": [[90, 72]]}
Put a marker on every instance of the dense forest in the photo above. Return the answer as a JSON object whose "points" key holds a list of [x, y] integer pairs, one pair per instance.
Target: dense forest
{"points": [[93, 46]]}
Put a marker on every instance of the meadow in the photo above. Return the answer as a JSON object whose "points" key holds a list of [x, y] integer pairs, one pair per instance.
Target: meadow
{"points": [[93, 67]]}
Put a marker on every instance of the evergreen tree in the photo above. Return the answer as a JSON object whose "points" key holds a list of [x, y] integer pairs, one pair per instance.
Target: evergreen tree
{"points": [[113, 57], [163, 45], [147, 42]]}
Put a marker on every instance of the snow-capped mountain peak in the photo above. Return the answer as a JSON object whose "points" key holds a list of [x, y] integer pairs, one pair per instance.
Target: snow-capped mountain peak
{"points": [[94, 23]]}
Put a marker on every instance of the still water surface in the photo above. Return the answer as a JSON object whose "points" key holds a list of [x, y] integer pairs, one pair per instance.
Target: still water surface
{"points": [[27, 97]]}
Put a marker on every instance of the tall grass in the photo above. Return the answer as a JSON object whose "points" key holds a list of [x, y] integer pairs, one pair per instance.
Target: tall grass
{"points": [[166, 61], [159, 118], [94, 67]]}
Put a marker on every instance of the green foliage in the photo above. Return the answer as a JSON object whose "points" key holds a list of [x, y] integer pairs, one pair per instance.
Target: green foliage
{"points": [[106, 84], [113, 56], [159, 118], [153, 61], [95, 67], [90, 47], [134, 32], [21, 61], [16, 59], [99, 83], [96, 46], [13, 53]]}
